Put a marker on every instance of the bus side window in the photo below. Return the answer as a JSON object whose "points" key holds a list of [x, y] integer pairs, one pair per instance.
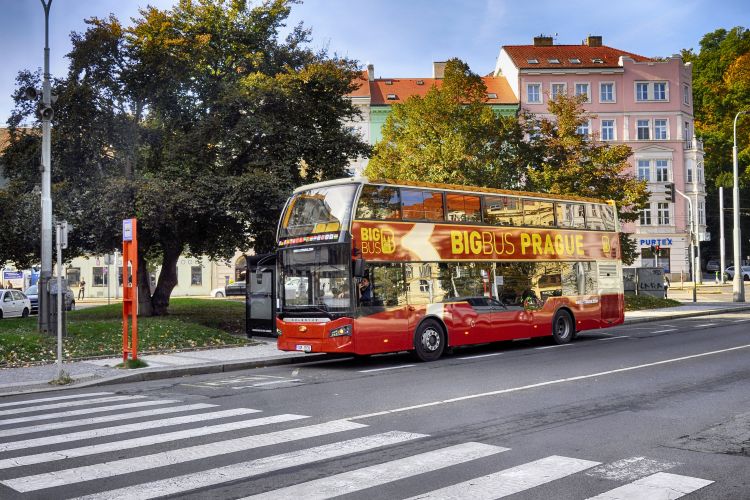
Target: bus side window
{"points": [[503, 211], [379, 202], [387, 281]]}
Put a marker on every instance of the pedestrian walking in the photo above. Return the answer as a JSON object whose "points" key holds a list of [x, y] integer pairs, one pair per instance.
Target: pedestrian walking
{"points": [[82, 289]]}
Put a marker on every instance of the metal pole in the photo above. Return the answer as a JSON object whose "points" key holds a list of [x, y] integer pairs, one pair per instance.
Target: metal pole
{"points": [[60, 297], [46, 252], [690, 235], [722, 250], [738, 287], [697, 261]]}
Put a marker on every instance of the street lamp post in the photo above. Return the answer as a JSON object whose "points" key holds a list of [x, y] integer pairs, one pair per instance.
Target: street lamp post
{"points": [[692, 235], [738, 287], [697, 258], [46, 232]]}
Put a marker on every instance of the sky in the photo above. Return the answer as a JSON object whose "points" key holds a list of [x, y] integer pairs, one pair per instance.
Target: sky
{"points": [[401, 38]]}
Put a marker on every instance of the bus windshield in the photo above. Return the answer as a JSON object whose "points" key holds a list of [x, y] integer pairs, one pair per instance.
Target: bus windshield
{"points": [[317, 278], [316, 211]]}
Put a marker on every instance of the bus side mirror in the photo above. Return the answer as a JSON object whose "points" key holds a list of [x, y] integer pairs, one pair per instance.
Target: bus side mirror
{"points": [[359, 267]]}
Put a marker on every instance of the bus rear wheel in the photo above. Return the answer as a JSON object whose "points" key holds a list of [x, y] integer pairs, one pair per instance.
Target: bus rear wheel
{"points": [[562, 327], [429, 341]]}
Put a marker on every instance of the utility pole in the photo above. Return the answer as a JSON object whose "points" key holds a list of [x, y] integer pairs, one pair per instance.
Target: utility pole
{"points": [[691, 235], [722, 250], [738, 286]]}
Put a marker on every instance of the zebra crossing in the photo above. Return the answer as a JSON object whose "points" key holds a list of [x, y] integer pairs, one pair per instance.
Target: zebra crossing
{"points": [[49, 453]]}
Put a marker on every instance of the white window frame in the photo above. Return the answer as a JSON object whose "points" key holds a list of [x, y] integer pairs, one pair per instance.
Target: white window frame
{"points": [[666, 129], [666, 91], [638, 97], [665, 169], [701, 213], [613, 129], [614, 92], [663, 213], [539, 93], [651, 90], [644, 217], [588, 89], [689, 176], [552, 87], [643, 165], [638, 127], [587, 126], [686, 94]]}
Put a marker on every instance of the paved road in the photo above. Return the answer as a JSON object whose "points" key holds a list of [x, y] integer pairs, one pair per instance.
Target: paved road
{"points": [[657, 410]]}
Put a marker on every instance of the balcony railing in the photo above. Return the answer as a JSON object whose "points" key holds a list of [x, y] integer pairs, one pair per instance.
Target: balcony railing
{"points": [[693, 143]]}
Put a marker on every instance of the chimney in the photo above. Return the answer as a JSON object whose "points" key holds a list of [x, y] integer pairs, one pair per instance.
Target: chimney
{"points": [[543, 41], [371, 72], [438, 69], [593, 41]]}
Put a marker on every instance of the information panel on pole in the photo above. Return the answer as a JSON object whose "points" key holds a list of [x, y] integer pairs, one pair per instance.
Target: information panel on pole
{"points": [[129, 290]]}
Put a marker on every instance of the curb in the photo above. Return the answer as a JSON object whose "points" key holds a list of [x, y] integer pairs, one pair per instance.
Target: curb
{"points": [[695, 314]]}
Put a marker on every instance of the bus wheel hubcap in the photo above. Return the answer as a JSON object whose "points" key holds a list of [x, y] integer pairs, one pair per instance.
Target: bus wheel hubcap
{"points": [[430, 339], [562, 328]]}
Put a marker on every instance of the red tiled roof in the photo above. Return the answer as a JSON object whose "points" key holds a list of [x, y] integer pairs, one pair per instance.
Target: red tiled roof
{"points": [[520, 55], [364, 86], [403, 88]]}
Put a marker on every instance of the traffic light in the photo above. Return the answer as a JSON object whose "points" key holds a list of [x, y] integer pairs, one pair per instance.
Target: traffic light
{"points": [[652, 248], [669, 191], [657, 249]]}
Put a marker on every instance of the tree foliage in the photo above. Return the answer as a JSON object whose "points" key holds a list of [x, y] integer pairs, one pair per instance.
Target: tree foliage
{"points": [[196, 120]]}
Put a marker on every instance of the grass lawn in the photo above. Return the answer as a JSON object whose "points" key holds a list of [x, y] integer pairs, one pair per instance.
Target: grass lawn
{"points": [[97, 331], [640, 302]]}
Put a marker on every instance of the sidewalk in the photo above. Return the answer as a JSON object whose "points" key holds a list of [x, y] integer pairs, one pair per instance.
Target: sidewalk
{"points": [[264, 353]]}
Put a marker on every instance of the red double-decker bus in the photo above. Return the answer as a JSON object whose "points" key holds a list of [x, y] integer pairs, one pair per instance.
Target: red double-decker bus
{"points": [[370, 267]]}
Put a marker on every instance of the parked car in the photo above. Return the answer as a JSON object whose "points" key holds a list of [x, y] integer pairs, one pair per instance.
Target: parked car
{"points": [[14, 303], [218, 292], [237, 288], [745, 272], [33, 294], [713, 266]]}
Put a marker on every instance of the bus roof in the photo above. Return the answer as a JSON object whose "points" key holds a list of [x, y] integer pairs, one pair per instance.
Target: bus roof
{"points": [[448, 187]]}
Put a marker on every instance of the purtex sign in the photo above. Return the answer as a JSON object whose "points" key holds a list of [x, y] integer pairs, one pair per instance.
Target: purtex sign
{"points": [[662, 242]]}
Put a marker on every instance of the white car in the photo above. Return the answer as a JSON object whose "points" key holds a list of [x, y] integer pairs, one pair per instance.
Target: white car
{"points": [[745, 272], [218, 293], [14, 303]]}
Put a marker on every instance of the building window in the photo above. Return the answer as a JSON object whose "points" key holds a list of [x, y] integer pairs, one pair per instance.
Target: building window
{"points": [[686, 95], [607, 92], [646, 216], [643, 129], [558, 89], [660, 91], [689, 174], [701, 213], [700, 173], [686, 132], [99, 276], [644, 170], [608, 130], [660, 129], [196, 275], [641, 91], [662, 171], [534, 93], [73, 274], [583, 129], [583, 89], [662, 214]]}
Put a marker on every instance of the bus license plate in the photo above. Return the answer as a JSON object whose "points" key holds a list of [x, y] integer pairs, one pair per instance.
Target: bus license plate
{"points": [[304, 347]]}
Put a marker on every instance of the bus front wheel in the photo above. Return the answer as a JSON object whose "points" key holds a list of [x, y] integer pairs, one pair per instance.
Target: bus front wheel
{"points": [[429, 341], [562, 327]]}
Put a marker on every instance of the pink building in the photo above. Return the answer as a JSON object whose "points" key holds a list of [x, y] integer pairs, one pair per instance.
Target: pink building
{"points": [[644, 103]]}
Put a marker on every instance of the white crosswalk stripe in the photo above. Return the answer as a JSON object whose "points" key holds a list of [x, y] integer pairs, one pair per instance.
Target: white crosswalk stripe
{"points": [[123, 429], [513, 480], [17, 431], [55, 398], [376, 475], [659, 486], [133, 443], [86, 411], [252, 468], [67, 404]]}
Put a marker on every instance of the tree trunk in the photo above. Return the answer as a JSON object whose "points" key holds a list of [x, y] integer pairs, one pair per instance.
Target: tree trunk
{"points": [[144, 287], [166, 283]]}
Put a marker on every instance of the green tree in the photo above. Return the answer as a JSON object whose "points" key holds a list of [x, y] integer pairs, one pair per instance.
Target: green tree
{"points": [[571, 163], [196, 120], [451, 135]]}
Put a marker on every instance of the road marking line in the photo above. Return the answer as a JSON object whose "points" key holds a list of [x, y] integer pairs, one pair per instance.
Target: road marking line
{"points": [[553, 346], [260, 384], [662, 486], [127, 444], [252, 468], [548, 383], [386, 368], [705, 325], [630, 469], [482, 355], [510, 481], [740, 320], [108, 418], [618, 337], [86, 411], [376, 475], [668, 326], [122, 429], [67, 404], [171, 457], [665, 331], [56, 398]]}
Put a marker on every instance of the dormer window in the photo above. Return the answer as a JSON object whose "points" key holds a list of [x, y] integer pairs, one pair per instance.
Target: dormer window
{"points": [[597, 60], [574, 60], [420, 82], [491, 95], [389, 82], [533, 61], [554, 60], [391, 97]]}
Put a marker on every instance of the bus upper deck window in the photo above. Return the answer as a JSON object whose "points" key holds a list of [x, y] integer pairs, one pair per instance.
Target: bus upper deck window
{"points": [[379, 202]]}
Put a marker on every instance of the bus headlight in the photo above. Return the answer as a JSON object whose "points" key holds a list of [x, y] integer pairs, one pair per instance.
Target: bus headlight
{"points": [[342, 331], [278, 332]]}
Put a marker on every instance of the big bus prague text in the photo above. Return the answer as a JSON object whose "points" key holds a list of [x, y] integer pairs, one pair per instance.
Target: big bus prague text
{"points": [[373, 267]]}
